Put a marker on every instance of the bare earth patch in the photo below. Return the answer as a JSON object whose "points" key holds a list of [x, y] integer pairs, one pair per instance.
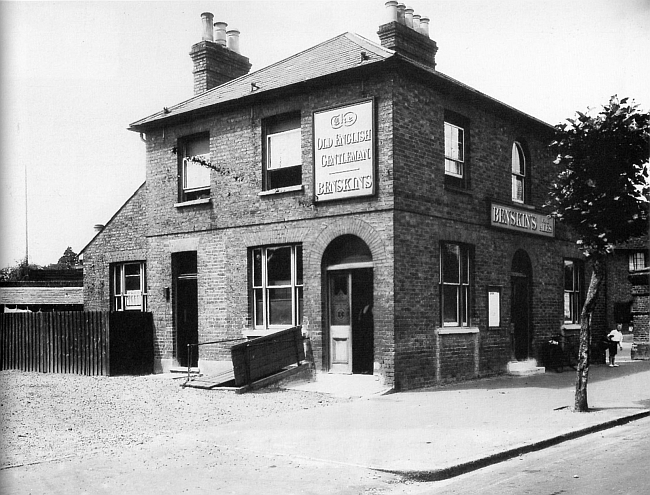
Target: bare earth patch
{"points": [[53, 416]]}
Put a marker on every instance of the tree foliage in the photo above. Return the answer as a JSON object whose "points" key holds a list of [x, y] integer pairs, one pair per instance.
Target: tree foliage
{"points": [[603, 190], [18, 272], [602, 195], [70, 259]]}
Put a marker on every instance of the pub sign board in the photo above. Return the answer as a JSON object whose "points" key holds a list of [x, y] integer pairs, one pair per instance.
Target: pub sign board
{"points": [[521, 220], [344, 149]]}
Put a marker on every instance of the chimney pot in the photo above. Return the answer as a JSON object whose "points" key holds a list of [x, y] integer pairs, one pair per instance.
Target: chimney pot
{"points": [[408, 17], [400, 13], [424, 26], [206, 19], [416, 22], [233, 39], [220, 36], [391, 11]]}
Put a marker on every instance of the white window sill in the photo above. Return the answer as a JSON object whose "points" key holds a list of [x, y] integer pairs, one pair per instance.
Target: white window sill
{"points": [[571, 326], [456, 330], [202, 201], [522, 204], [281, 190]]}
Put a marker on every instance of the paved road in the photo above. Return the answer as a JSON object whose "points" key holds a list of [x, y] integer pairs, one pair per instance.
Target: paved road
{"points": [[610, 462]]}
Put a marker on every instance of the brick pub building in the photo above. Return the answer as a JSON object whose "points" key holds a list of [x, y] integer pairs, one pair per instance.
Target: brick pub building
{"points": [[390, 210]]}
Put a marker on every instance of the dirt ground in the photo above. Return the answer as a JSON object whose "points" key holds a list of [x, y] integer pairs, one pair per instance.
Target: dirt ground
{"points": [[54, 416]]}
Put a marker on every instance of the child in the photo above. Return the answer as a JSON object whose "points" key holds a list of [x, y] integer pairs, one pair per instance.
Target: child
{"points": [[615, 338]]}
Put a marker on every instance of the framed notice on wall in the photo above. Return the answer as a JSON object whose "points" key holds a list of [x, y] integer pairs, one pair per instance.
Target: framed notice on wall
{"points": [[494, 307], [344, 152]]}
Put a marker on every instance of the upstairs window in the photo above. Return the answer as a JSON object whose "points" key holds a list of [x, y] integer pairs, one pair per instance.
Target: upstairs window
{"points": [[282, 152], [455, 269], [638, 261], [194, 178], [129, 286], [518, 173], [454, 150], [573, 280], [277, 286]]}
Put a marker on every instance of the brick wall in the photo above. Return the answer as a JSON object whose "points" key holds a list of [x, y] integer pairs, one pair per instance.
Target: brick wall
{"points": [[402, 225], [122, 239]]}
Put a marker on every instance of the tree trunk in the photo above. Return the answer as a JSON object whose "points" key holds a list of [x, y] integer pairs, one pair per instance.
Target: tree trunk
{"points": [[582, 374]]}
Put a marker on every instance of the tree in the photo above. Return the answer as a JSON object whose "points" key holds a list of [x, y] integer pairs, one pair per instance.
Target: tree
{"points": [[18, 272], [602, 194], [69, 259]]}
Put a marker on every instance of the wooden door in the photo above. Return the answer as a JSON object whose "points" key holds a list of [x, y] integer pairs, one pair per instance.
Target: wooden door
{"points": [[340, 323]]}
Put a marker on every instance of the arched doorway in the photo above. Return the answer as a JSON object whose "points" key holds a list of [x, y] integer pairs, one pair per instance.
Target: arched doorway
{"points": [[521, 275], [348, 265]]}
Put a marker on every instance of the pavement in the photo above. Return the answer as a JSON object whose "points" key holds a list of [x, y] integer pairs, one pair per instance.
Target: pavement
{"points": [[422, 435]]}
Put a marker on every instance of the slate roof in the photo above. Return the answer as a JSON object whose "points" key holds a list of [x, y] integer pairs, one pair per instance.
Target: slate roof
{"points": [[41, 295], [344, 52]]}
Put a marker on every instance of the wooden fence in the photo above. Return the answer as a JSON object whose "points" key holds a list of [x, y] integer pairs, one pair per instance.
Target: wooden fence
{"points": [[80, 342]]}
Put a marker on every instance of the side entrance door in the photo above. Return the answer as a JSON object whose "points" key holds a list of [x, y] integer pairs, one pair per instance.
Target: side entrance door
{"points": [[186, 309], [521, 317]]}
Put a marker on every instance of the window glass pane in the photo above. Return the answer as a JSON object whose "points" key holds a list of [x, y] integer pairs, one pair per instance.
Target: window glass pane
{"points": [[283, 177], [299, 265], [450, 303], [450, 263], [194, 175], [517, 188], [465, 265], [132, 282], [259, 307], [118, 279], [299, 298], [518, 160], [568, 275], [567, 306], [278, 266], [454, 142], [132, 269], [283, 150], [464, 305], [279, 306], [257, 267], [197, 146]]}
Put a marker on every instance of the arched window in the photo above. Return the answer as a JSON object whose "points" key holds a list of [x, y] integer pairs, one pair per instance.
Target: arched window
{"points": [[518, 173]]}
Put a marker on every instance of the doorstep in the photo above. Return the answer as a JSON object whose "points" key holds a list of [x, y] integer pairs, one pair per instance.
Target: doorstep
{"points": [[525, 368]]}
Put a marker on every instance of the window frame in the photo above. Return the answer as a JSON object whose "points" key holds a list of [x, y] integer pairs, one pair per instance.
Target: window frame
{"points": [[185, 193], [454, 120], [261, 287], [519, 175], [637, 260], [459, 161], [573, 297], [121, 297], [278, 126], [463, 285]]}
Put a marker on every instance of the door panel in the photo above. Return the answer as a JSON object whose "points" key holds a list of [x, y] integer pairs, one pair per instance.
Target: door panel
{"points": [[340, 323], [521, 317]]}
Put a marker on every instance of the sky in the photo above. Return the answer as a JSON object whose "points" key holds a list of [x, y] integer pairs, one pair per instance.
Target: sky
{"points": [[74, 75]]}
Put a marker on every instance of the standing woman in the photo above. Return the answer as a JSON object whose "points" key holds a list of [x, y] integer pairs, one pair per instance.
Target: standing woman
{"points": [[615, 338]]}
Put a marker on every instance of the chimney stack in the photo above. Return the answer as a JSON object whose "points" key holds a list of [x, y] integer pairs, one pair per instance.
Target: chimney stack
{"points": [[408, 34], [216, 57]]}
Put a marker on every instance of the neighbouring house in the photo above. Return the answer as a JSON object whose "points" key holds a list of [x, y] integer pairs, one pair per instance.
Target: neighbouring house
{"points": [[392, 211], [43, 290]]}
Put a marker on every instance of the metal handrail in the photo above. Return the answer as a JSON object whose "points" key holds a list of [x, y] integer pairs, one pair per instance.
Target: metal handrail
{"points": [[189, 351]]}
